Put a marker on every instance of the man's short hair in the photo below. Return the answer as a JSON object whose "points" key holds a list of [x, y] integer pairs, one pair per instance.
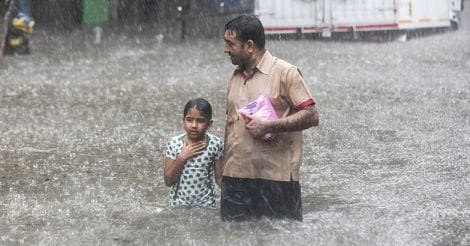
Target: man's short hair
{"points": [[247, 27]]}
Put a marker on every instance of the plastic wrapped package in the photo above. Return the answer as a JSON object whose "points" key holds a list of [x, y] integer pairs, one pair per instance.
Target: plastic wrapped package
{"points": [[260, 108]]}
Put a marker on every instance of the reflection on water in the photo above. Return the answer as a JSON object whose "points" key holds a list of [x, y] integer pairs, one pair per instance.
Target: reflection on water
{"points": [[83, 131]]}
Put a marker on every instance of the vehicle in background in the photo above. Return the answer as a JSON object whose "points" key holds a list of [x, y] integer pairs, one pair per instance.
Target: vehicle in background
{"points": [[457, 8], [353, 18]]}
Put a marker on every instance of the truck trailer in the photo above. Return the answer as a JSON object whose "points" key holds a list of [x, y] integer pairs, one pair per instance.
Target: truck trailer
{"points": [[355, 17]]}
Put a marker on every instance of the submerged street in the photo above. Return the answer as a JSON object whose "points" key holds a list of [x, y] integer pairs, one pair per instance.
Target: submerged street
{"points": [[83, 131]]}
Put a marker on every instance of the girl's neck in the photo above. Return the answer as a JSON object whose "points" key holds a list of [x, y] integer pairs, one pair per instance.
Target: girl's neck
{"points": [[190, 141]]}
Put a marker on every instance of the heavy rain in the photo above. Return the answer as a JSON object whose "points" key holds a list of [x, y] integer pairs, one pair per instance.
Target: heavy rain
{"points": [[83, 130]]}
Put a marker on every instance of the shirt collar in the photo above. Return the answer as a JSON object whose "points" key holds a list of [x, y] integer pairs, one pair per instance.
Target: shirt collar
{"points": [[263, 66], [266, 62]]}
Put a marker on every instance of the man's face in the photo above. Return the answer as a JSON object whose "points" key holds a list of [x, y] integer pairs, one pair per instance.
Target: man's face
{"points": [[235, 49]]}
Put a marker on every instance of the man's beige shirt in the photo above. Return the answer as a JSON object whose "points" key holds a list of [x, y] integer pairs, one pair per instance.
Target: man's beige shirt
{"points": [[278, 159]]}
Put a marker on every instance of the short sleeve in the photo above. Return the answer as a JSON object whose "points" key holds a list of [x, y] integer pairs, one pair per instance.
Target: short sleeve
{"points": [[171, 149], [298, 92], [220, 149]]}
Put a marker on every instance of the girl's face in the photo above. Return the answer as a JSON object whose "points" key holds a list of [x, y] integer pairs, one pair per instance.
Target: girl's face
{"points": [[195, 124]]}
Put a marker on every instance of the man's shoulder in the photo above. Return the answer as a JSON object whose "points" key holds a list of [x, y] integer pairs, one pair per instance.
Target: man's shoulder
{"points": [[284, 68], [283, 64], [270, 63]]}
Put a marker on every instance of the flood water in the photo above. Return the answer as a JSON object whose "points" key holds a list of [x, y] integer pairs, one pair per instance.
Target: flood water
{"points": [[83, 131]]}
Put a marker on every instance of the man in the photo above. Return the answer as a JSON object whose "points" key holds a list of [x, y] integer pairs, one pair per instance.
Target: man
{"points": [[261, 178]]}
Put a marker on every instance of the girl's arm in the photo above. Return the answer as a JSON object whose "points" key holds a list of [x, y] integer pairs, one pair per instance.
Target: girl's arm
{"points": [[173, 170], [173, 167]]}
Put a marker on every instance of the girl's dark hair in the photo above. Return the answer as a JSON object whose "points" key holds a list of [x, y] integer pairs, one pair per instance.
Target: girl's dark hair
{"points": [[200, 104], [248, 27]]}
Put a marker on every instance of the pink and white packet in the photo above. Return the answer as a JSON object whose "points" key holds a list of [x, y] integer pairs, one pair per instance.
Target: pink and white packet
{"points": [[260, 108]]}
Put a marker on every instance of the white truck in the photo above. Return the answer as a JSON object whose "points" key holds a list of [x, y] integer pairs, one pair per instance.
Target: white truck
{"points": [[355, 17]]}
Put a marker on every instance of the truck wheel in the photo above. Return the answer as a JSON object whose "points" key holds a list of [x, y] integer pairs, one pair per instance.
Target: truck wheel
{"points": [[454, 26]]}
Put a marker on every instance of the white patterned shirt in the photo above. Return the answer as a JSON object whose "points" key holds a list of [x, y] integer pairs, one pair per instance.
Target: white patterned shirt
{"points": [[195, 186]]}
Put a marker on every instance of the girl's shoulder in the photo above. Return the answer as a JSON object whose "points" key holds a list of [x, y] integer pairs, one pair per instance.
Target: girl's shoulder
{"points": [[213, 139], [176, 139]]}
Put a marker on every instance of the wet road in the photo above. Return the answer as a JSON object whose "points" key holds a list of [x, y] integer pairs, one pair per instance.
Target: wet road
{"points": [[83, 129]]}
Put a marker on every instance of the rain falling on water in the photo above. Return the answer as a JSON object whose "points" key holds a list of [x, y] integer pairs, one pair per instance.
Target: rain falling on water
{"points": [[83, 129]]}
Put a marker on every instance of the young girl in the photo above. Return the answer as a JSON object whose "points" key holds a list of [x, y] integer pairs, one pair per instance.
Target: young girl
{"points": [[193, 157]]}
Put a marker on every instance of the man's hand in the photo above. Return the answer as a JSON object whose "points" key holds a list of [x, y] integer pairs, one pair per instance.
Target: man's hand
{"points": [[257, 127], [297, 121]]}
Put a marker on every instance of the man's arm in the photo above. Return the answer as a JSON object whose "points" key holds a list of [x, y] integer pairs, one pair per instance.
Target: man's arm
{"points": [[218, 169], [300, 120]]}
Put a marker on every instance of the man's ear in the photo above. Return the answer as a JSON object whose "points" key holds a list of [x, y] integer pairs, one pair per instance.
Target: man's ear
{"points": [[250, 45], [209, 124]]}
